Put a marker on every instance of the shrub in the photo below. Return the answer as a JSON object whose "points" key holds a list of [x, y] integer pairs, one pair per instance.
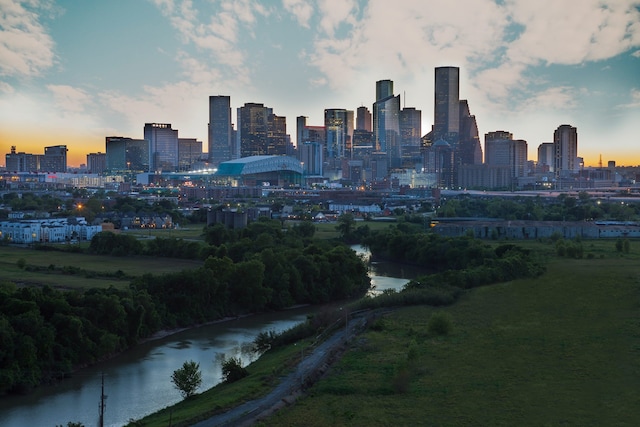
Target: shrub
{"points": [[21, 263], [232, 370], [440, 324]]}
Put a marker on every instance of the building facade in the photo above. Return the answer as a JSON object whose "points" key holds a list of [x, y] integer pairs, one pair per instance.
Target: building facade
{"points": [[253, 124], [189, 153], [220, 130], [163, 147], [565, 144], [335, 125], [96, 163], [54, 159], [446, 123], [126, 154]]}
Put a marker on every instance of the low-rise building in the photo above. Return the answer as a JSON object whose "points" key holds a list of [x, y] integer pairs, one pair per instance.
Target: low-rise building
{"points": [[50, 230]]}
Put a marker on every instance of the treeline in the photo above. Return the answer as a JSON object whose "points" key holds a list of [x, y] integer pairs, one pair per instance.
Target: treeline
{"points": [[45, 333], [561, 208]]}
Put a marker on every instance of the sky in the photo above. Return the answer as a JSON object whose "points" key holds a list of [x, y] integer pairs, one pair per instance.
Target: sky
{"points": [[74, 72]]}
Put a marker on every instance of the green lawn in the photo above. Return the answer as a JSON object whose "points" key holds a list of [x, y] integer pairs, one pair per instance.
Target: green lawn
{"points": [[562, 349]]}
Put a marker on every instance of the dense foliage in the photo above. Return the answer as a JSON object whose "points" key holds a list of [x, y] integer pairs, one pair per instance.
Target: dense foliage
{"points": [[561, 208], [45, 333]]}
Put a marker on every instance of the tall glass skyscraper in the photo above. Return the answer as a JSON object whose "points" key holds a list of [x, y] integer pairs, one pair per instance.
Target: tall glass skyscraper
{"points": [[220, 129], [335, 123], [446, 123], [386, 122]]}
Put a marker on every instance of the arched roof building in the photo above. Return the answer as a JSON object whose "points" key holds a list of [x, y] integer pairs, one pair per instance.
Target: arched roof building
{"points": [[281, 171]]}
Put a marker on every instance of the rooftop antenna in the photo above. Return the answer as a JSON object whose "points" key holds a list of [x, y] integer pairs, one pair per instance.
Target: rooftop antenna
{"points": [[600, 162]]}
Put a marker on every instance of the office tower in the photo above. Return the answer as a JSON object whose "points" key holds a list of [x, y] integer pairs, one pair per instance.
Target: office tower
{"points": [[220, 130], [363, 119], [469, 147], [410, 134], [384, 89], [253, 124], [546, 157], [301, 130], [446, 124], [126, 154], [96, 162], [350, 129], [565, 144], [335, 124], [189, 152], [21, 162], [386, 123], [439, 160], [163, 147], [278, 142], [54, 159], [502, 150]]}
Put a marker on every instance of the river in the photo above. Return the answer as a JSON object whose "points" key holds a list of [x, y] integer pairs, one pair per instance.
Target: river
{"points": [[137, 382]]}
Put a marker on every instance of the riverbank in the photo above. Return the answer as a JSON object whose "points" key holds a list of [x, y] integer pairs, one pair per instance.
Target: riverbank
{"points": [[280, 375]]}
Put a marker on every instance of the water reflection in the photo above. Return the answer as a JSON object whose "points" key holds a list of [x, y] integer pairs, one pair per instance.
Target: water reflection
{"points": [[138, 381]]}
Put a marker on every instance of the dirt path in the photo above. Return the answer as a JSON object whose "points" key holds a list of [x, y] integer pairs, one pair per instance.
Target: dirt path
{"points": [[293, 385]]}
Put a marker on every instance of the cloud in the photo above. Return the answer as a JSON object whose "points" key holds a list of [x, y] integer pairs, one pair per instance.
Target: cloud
{"points": [[636, 54], [26, 49], [336, 12], [554, 98], [301, 9], [562, 33], [69, 99]]}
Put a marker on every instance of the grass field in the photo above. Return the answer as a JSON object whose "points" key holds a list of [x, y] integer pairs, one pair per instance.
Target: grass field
{"points": [[130, 266], [187, 232], [563, 349]]}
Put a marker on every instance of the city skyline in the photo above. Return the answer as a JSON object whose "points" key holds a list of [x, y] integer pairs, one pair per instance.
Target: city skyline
{"points": [[74, 73]]}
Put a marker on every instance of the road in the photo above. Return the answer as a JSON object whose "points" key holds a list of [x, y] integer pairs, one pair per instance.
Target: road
{"points": [[292, 386]]}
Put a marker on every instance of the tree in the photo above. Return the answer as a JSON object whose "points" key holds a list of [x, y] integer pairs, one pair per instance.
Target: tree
{"points": [[232, 370], [187, 379], [346, 225]]}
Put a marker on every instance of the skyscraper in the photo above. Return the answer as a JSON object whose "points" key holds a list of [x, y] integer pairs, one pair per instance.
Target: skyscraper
{"points": [[386, 122], [278, 142], [335, 124], [54, 159], [446, 123], [126, 154], [253, 123], [410, 134], [565, 144], [363, 119], [220, 129], [163, 146], [469, 147]]}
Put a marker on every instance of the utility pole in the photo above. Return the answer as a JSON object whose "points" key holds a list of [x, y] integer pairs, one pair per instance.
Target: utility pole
{"points": [[102, 405]]}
